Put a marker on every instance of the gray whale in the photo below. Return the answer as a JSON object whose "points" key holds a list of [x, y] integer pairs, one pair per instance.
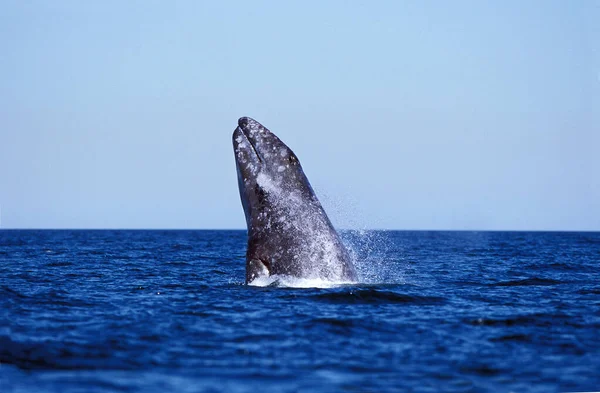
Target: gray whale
{"points": [[289, 233]]}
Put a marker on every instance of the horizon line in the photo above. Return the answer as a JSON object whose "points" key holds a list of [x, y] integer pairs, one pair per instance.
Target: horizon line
{"points": [[338, 229]]}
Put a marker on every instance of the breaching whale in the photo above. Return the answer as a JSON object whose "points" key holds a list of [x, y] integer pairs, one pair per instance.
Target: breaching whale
{"points": [[288, 231]]}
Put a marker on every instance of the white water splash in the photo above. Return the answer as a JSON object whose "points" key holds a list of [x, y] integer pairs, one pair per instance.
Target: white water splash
{"points": [[373, 253], [283, 281], [374, 257]]}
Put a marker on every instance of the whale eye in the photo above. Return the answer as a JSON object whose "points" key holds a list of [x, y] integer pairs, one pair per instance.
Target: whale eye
{"points": [[293, 159]]}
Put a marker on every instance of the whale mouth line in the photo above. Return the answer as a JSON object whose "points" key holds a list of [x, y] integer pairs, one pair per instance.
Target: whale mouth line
{"points": [[244, 133]]}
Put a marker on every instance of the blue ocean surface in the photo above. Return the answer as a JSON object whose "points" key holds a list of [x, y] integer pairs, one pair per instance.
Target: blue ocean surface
{"points": [[168, 311]]}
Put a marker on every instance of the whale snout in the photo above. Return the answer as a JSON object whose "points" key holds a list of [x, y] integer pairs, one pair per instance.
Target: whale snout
{"points": [[250, 127], [243, 121], [254, 143]]}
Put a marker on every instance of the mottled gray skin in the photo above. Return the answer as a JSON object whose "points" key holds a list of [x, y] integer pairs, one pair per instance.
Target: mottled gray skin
{"points": [[288, 230]]}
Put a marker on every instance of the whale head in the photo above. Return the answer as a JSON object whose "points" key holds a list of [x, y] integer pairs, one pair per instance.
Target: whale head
{"points": [[269, 172]]}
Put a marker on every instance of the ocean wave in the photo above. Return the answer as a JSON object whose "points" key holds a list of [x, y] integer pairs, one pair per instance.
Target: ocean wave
{"points": [[527, 281], [376, 296]]}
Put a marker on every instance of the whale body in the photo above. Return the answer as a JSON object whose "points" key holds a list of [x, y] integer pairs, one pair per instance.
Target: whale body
{"points": [[289, 233]]}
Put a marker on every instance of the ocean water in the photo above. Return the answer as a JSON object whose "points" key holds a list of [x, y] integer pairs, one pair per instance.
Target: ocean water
{"points": [[143, 311]]}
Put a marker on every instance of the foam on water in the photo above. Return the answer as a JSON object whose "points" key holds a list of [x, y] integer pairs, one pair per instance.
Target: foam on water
{"points": [[284, 281]]}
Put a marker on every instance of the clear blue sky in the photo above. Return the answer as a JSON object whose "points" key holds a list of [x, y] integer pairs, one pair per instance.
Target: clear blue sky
{"points": [[406, 115]]}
